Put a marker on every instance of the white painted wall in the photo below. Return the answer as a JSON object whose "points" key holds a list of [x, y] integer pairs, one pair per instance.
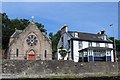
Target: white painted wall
{"points": [[93, 44], [85, 44], [65, 45], [112, 56], [75, 50], [102, 44], [110, 45]]}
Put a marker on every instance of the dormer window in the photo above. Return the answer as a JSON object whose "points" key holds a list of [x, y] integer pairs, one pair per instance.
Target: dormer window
{"points": [[104, 37], [76, 34]]}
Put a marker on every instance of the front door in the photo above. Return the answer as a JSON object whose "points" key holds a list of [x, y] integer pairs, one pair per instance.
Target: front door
{"points": [[31, 57]]}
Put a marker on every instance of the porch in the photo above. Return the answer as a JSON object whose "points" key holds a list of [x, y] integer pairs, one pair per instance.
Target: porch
{"points": [[95, 54]]}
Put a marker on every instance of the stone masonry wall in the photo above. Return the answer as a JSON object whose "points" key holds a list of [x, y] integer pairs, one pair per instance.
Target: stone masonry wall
{"points": [[25, 68]]}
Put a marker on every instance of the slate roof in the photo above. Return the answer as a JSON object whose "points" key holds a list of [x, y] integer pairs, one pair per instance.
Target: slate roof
{"points": [[88, 36], [16, 33]]}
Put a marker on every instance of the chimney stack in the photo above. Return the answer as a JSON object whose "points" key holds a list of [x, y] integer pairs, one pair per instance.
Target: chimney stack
{"points": [[101, 32], [64, 28]]}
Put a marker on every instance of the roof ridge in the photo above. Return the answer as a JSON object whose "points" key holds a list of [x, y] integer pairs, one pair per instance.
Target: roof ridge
{"points": [[16, 32], [84, 32]]}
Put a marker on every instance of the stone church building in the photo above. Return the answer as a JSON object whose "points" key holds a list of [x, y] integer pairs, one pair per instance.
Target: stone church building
{"points": [[29, 44]]}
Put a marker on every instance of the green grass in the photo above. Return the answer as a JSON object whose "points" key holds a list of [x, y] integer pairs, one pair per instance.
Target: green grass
{"points": [[82, 76], [106, 75]]}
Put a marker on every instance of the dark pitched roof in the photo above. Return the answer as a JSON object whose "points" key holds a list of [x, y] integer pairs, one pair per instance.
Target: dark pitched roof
{"points": [[96, 48], [89, 36], [16, 33]]}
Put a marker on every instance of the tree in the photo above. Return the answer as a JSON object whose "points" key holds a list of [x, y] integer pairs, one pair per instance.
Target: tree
{"points": [[41, 27], [9, 26], [5, 30], [55, 39], [117, 44], [24, 23], [51, 36]]}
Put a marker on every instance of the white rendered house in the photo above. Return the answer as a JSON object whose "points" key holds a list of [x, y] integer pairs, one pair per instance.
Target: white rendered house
{"points": [[85, 47]]}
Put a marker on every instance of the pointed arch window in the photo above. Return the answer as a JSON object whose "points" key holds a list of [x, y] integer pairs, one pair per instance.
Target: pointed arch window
{"points": [[17, 52], [45, 53]]}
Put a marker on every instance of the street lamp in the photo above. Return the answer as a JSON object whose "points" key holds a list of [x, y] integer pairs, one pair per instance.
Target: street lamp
{"points": [[32, 18], [114, 44]]}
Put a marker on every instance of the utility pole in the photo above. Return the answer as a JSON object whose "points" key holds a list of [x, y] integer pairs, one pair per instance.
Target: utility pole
{"points": [[32, 18], [114, 43]]}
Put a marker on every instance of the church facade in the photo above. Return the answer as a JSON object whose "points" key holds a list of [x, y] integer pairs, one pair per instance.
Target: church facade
{"points": [[29, 44]]}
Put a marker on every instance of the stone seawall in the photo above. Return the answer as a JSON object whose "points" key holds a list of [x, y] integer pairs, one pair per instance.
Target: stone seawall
{"points": [[24, 68]]}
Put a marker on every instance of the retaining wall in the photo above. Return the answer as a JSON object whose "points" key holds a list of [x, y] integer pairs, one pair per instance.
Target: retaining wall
{"points": [[25, 68]]}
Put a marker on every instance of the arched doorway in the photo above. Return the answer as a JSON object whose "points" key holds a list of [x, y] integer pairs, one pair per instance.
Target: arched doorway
{"points": [[31, 55]]}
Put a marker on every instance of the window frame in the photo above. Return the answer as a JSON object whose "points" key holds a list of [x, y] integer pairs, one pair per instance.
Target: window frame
{"points": [[106, 45], [17, 52], [97, 44], [80, 44], [45, 54], [89, 44]]}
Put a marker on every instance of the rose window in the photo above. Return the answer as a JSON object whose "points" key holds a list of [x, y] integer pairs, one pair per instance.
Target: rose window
{"points": [[31, 40]]}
